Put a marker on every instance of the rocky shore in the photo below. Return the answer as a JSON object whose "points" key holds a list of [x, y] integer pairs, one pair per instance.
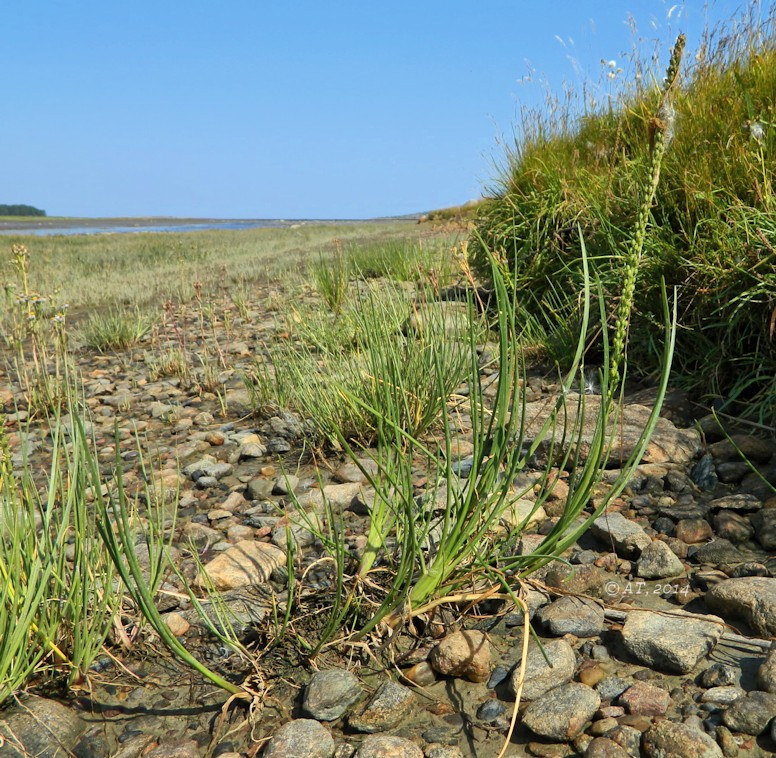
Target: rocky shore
{"points": [[653, 636]]}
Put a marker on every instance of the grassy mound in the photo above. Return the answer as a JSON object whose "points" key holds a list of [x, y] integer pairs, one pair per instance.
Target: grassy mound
{"points": [[712, 231]]}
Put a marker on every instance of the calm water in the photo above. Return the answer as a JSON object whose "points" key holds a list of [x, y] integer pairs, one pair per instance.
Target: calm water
{"points": [[161, 227]]}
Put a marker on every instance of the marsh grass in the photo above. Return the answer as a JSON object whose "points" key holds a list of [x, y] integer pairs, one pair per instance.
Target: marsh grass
{"points": [[118, 328], [711, 232]]}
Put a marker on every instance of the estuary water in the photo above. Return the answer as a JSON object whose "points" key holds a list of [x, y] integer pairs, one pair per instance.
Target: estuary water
{"points": [[128, 226]]}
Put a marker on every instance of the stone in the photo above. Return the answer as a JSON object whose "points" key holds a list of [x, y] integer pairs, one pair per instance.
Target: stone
{"points": [[674, 643], [523, 513], [752, 598], [667, 739], [187, 749], [766, 673], [490, 710], [602, 747], [612, 687], [540, 677], [338, 497], [572, 615], [764, 523], [300, 737], [717, 552], [668, 443], [247, 562], [627, 537], [723, 695], [657, 561], [643, 699], [727, 741], [435, 750], [562, 712], [751, 714], [286, 484], [353, 473], [420, 674], [40, 727], [627, 737], [732, 526], [721, 675], [380, 746], [754, 449], [464, 654], [384, 710], [330, 694], [736, 502], [693, 530]]}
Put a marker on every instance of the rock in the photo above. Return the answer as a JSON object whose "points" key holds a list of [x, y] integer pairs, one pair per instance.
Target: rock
{"points": [[562, 712], [627, 537], [247, 562], [440, 319], [612, 687], [727, 741], [724, 695], [572, 615], [766, 674], [523, 513], [627, 737], [300, 527], [330, 694], [465, 654], [736, 502], [435, 750], [644, 699], [352, 473], [602, 747], [285, 484], [40, 727], [338, 497], [667, 739], [733, 527], [247, 607], [540, 677], [752, 598], [657, 561], [302, 737], [385, 709], [591, 673], [490, 710], [693, 530], [667, 443], [187, 749], [751, 714], [764, 523], [752, 448], [380, 746], [672, 643], [721, 675], [259, 488], [717, 553], [421, 674]]}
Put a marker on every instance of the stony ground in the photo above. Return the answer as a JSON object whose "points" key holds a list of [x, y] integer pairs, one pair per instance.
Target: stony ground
{"points": [[655, 634]]}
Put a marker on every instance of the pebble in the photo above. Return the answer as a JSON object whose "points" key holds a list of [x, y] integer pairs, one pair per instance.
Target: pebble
{"points": [[612, 687], [752, 713], [380, 746], [562, 712], [490, 710], [693, 530], [330, 694], [628, 538], [384, 710], [658, 561], [21, 725], [766, 673], [421, 674], [602, 747], [721, 675], [464, 654], [572, 615], [541, 677], [644, 699], [247, 562], [667, 738], [751, 598], [672, 643], [302, 737], [724, 695]]}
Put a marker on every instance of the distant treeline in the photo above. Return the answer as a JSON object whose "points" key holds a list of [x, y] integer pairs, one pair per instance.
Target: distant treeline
{"points": [[20, 210]]}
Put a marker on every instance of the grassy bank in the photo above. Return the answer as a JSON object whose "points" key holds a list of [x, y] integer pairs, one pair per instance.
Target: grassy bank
{"points": [[711, 230]]}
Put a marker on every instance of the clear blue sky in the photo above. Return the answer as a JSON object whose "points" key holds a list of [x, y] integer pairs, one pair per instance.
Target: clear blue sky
{"points": [[288, 109]]}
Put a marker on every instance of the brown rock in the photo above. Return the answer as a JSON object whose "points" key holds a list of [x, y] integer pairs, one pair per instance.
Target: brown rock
{"points": [[464, 654], [693, 530], [247, 562], [642, 699]]}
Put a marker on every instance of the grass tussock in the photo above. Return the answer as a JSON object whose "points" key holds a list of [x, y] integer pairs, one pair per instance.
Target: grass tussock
{"points": [[711, 230]]}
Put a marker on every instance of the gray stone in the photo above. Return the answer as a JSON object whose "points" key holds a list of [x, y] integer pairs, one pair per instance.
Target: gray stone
{"points": [[300, 737], [717, 552], [259, 489], [673, 643], [732, 526], [465, 653], [385, 709], [751, 714], [40, 727], [539, 676], [736, 502], [330, 694], [572, 615], [285, 484], [603, 747], [380, 746], [627, 737], [627, 537], [657, 561], [667, 739], [724, 695], [612, 687], [562, 712], [752, 598]]}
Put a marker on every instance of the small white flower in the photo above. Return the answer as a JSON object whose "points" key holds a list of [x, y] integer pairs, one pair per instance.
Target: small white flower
{"points": [[612, 64], [756, 131]]}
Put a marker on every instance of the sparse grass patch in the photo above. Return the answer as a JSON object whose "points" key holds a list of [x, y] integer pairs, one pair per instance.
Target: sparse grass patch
{"points": [[117, 329]]}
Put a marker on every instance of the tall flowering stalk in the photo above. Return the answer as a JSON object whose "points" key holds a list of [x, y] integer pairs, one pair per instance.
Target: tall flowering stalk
{"points": [[660, 133]]}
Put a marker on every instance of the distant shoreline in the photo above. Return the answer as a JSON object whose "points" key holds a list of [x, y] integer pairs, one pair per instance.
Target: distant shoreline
{"points": [[66, 222]]}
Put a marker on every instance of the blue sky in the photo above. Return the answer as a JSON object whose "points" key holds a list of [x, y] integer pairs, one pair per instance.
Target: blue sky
{"points": [[295, 109]]}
